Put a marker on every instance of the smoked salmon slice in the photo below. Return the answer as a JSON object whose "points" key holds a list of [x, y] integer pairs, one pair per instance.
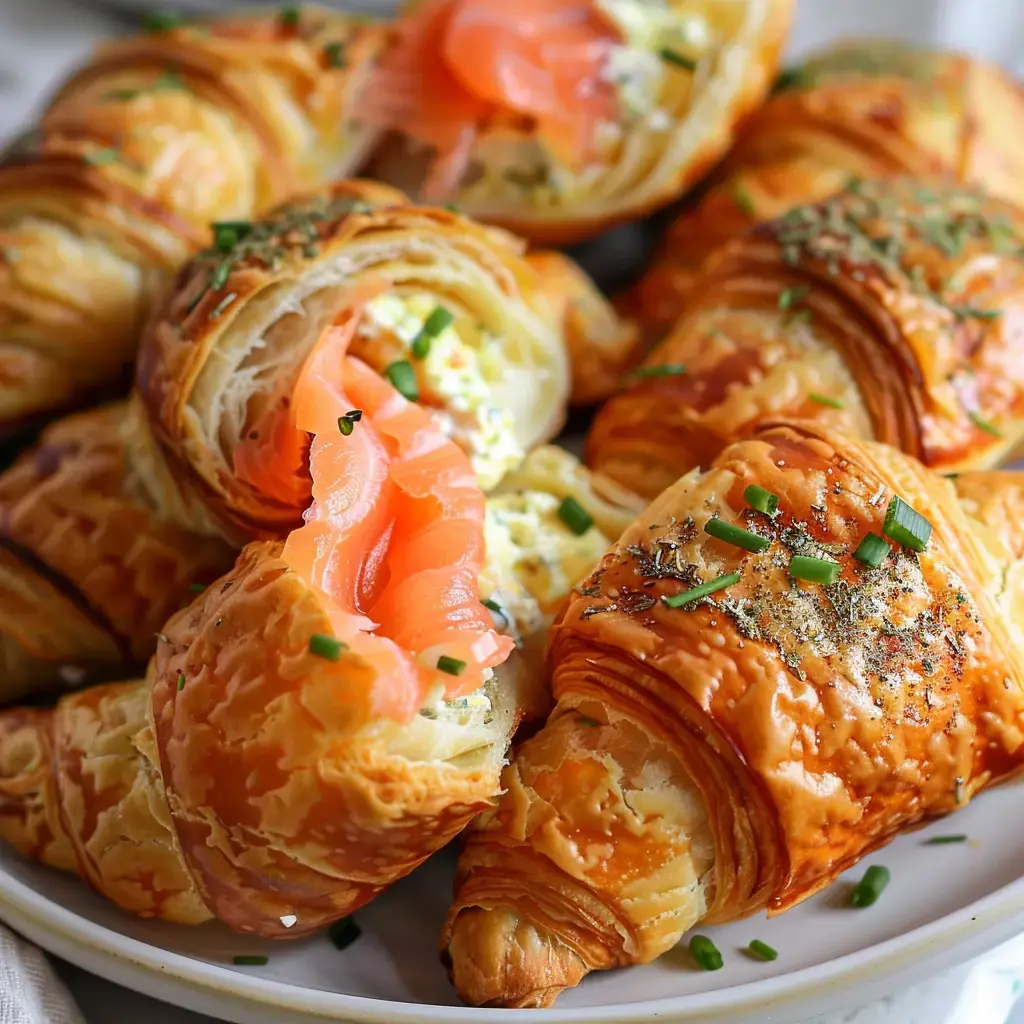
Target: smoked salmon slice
{"points": [[458, 64]]}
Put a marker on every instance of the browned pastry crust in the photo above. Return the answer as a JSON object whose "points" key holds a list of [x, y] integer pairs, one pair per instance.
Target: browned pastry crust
{"points": [[870, 108], [892, 311], [88, 572], [137, 153], [737, 753]]}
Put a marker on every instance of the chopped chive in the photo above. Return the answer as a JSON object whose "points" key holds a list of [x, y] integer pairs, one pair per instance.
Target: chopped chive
{"points": [[290, 16], [832, 403], [181, 681], [250, 960], [741, 197], [344, 932], [335, 54], [453, 208], [122, 95], [680, 60], [327, 647], [906, 526], [102, 157], [736, 535], [871, 886], [761, 500], [973, 313], [763, 950], [590, 723], [872, 551], [789, 297], [706, 953], [347, 423], [696, 593], [452, 666], [197, 588], [814, 570], [945, 840], [225, 238], [662, 370], [161, 21], [218, 310], [493, 606], [403, 379], [220, 276], [432, 327], [983, 424], [239, 228], [575, 516]]}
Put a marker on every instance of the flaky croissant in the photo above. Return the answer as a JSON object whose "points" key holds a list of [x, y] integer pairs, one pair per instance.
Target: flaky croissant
{"points": [[137, 153], [248, 778], [88, 572], [565, 117], [892, 311], [450, 310], [712, 757], [871, 108]]}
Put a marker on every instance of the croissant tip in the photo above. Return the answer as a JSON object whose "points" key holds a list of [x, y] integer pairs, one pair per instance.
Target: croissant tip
{"points": [[495, 959]]}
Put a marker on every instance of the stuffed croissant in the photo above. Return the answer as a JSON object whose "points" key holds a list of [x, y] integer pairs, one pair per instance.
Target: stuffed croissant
{"points": [[872, 108], [559, 118], [290, 756], [893, 311], [137, 153], [785, 661], [88, 572], [448, 310]]}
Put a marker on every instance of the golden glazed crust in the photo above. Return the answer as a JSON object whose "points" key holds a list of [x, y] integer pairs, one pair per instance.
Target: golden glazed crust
{"points": [[891, 312], [870, 108], [735, 754], [229, 342], [88, 572], [138, 152]]}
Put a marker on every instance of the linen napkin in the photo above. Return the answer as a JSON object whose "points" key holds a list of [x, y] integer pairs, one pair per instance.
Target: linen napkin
{"points": [[30, 991]]}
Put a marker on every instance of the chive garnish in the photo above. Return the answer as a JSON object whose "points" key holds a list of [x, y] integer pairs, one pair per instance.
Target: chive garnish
{"points": [[906, 526], [250, 960], [763, 950], [347, 423], [181, 681], [102, 157], [161, 21], [872, 551], [344, 932], [290, 16], [590, 723], [225, 238], [973, 313], [327, 647], [870, 887], [493, 605], [983, 424], [788, 297], [403, 379], [696, 593], [335, 54], [706, 953], [220, 275], [432, 327], [736, 535], [662, 370], [814, 570], [451, 666], [218, 310], [832, 403], [945, 840], [680, 60], [742, 199], [575, 516], [761, 500], [197, 588], [238, 228]]}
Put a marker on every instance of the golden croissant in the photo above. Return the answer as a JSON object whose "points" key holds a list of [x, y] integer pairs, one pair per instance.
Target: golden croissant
{"points": [[786, 661], [571, 116], [137, 153], [891, 311], [870, 108], [88, 571]]}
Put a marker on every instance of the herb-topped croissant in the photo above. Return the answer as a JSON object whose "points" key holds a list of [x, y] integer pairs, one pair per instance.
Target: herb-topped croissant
{"points": [[893, 311], [872, 108], [138, 152], [785, 661]]}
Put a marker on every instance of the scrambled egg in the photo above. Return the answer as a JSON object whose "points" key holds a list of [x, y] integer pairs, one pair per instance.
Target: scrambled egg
{"points": [[462, 361]]}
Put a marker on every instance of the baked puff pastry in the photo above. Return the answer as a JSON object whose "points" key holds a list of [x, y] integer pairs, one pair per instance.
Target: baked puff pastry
{"points": [[871, 108], [560, 118], [88, 572], [747, 703], [160, 135], [892, 311], [449, 310]]}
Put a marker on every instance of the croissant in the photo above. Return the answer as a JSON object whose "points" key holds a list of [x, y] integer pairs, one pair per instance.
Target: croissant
{"points": [[254, 780], [448, 309], [891, 312], [730, 736], [88, 572], [871, 108], [137, 153], [560, 118]]}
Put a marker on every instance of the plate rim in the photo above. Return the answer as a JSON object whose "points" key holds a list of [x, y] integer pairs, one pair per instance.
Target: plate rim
{"points": [[958, 936]]}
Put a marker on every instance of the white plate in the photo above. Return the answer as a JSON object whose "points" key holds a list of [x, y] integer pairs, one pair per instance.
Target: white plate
{"points": [[944, 905]]}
